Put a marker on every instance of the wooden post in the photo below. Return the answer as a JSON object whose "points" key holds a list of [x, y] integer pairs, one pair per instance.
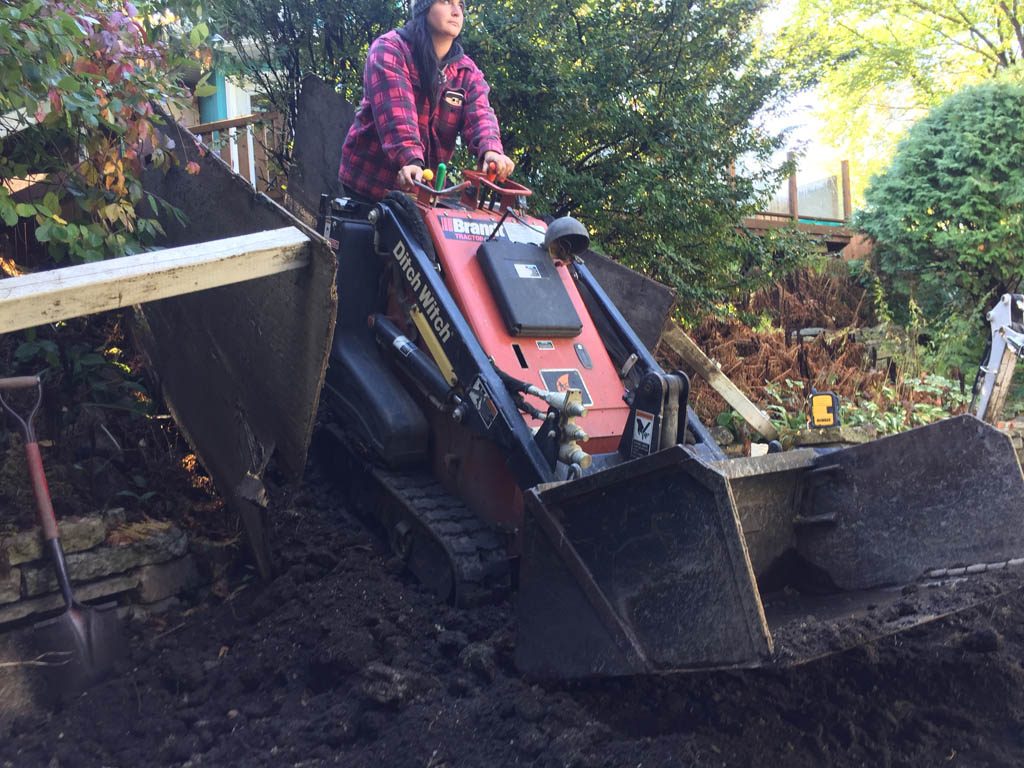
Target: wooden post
{"points": [[677, 340], [1000, 387], [262, 158], [225, 145], [243, 144], [794, 193], [847, 202]]}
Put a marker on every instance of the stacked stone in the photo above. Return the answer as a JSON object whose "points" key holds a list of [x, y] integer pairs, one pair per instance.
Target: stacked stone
{"points": [[1015, 429], [106, 558]]}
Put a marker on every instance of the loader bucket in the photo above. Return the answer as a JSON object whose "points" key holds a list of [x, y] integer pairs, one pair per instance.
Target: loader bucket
{"points": [[668, 563]]}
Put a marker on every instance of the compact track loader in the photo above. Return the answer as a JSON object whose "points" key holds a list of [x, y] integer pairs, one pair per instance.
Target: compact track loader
{"points": [[498, 416]]}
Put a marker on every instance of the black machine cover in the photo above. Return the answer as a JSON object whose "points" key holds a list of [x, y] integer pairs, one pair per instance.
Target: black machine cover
{"points": [[530, 294]]}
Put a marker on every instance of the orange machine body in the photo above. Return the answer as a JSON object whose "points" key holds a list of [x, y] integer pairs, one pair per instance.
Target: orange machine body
{"points": [[549, 363]]}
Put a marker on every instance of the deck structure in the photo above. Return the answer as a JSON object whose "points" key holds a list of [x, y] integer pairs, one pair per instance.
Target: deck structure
{"points": [[834, 233]]}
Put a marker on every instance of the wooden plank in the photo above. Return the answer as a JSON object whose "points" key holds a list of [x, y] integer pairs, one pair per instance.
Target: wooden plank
{"points": [[261, 159], [231, 122], [84, 289], [677, 340], [794, 190], [242, 153], [844, 169], [250, 155], [836, 234], [224, 148], [1001, 386]]}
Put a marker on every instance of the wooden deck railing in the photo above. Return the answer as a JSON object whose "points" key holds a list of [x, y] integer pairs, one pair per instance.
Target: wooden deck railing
{"points": [[834, 232], [794, 213], [246, 144]]}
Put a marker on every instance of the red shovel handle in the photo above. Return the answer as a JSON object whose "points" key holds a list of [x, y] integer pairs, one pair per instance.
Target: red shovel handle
{"points": [[41, 489]]}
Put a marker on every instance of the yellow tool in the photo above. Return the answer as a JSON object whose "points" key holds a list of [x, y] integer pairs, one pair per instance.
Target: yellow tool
{"points": [[824, 409]]}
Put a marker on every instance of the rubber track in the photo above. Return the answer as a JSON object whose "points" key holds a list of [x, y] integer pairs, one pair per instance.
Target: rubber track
{"points": [[477, 553]]}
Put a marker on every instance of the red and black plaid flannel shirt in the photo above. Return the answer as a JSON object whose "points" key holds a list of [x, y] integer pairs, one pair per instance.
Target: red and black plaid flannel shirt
{"points": [[394, 126]]}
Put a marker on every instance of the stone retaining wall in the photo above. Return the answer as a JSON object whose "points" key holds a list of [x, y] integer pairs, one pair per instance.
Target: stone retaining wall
{"points": [[107, 558], [1015, 429]]}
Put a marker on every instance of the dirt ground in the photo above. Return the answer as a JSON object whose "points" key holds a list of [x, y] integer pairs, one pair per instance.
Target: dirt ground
{"points": [[345, 661]]}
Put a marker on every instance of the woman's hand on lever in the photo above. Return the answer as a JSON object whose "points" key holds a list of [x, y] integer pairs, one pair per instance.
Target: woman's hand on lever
{"points": [[502, 163], [408, 175]]}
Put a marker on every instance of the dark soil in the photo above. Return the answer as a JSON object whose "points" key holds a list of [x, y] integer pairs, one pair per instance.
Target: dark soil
{"points": [[344, 661]]}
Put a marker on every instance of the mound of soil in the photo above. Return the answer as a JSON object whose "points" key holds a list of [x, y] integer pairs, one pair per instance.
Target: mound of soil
{"points": [[344, 661]]}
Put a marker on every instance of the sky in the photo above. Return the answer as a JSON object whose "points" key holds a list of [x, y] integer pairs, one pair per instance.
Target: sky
{"points": [[817, 160]]}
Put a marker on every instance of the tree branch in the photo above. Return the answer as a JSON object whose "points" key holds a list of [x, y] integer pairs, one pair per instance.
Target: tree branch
{"points": [[972, 28], [38, 661], [1011, 16]]}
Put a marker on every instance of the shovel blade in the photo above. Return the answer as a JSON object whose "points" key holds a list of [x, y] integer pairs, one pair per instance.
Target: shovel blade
{"points": [[82, 645]]}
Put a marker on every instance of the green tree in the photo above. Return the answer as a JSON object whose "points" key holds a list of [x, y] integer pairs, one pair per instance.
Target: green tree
{"points": [[629, 115], [880, 65], [948, 216], [78, 85], [277, 43]]}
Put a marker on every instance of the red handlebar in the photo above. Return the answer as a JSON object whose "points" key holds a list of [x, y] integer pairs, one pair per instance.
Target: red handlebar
{"points": [[427, 195], [506, 191]]}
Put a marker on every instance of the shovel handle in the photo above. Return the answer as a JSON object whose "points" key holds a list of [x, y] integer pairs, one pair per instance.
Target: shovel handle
{"points": [[23, 382], [47, 520], [41, 490], [18, 382]]}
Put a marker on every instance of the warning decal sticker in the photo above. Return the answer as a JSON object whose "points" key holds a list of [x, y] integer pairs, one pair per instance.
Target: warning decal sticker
{"points": [[643, 433], [564, 379], [481, 399]]}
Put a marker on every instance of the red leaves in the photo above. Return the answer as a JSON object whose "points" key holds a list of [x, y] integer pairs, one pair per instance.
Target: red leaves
{"points": [[86, 67], [97, 59], [56, 103]]}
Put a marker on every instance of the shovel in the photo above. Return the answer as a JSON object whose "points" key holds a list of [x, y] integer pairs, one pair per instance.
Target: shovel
{"points": [[83, 641]]}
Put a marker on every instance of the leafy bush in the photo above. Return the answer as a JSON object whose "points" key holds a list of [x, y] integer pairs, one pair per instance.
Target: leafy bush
{"points": [[894, 408], [78, 85], [948, 216]]}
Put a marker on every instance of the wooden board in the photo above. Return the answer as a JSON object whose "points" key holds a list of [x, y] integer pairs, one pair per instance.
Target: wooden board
{"points": [[677, 340], [85, 289]]}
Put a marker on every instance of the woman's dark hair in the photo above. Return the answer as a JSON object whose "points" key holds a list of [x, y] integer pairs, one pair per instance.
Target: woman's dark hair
{"points": [[423, 54]]}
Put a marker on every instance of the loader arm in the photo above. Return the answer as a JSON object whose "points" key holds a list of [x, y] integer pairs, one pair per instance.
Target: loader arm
{"points": [[615, 324], [486, 407]]}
